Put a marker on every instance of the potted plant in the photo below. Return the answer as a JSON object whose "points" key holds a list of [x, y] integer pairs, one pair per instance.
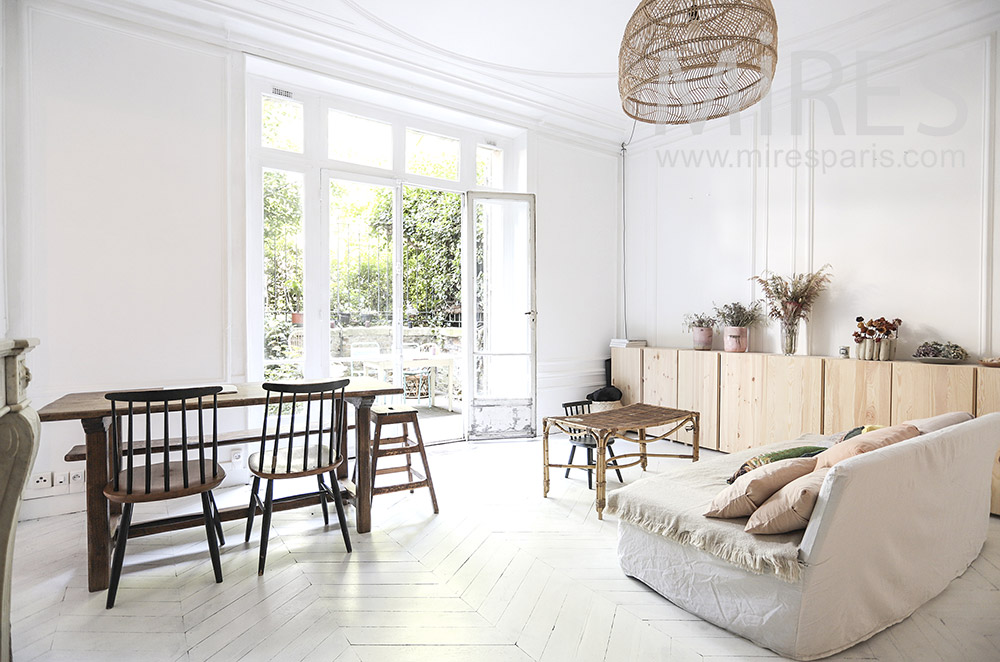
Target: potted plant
{"points": [[736, 320], [790, 300], [876, 338], [702, 328]]}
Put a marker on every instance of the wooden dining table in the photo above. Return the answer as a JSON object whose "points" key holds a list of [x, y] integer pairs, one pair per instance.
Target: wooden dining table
{"points": [[94, 412]]}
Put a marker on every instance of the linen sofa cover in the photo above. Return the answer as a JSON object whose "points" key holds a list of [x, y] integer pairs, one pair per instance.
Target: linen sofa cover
{"points": [[890, 530]]}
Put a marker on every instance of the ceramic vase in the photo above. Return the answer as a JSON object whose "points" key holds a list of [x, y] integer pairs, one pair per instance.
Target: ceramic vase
{"points": [[735, 338], [703, 336]]}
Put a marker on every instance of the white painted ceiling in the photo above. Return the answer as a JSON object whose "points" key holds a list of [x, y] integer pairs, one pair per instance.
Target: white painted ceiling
{"points": [[551, 63]]}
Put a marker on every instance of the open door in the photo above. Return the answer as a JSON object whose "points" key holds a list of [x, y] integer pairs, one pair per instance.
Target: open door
{"points": [[500, 309]]}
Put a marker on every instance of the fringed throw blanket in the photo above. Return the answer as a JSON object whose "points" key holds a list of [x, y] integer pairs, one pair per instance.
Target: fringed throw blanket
{"points": [[671, 504]]}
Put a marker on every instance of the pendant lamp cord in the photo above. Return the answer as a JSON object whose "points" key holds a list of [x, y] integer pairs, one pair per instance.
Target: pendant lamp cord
{"points": [[624, 236]]}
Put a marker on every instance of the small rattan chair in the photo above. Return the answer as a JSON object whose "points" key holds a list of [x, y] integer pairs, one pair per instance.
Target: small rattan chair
{"points": [[586, 440]]}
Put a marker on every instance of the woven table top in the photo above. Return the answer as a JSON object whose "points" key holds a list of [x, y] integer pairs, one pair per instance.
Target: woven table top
{"points": [[629, 417]]}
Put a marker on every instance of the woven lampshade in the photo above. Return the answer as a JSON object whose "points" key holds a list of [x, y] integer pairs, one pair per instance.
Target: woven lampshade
{"points": [[685, 61]]}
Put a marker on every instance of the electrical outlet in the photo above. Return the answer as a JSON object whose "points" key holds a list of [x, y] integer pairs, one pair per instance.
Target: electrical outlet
{"points": [[78, 481], [40, 481], [237, 458], [59, 479]]}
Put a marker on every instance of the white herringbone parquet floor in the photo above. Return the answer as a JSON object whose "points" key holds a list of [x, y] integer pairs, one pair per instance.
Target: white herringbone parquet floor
{"points": [[500, 574]]}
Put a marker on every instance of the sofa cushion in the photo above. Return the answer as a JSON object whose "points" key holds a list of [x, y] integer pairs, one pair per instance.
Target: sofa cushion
{"points": [[774, 456], [865, 443], [755, 487], [935, 423], [790, 507]]}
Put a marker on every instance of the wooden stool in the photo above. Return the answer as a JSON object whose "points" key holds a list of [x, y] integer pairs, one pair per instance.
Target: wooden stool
{"points": [[383, 415]]}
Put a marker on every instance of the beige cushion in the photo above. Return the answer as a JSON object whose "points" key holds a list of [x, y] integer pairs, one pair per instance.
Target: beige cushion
{"points": [[790, 507], [865, 443], [935, 423], [755, 487]]}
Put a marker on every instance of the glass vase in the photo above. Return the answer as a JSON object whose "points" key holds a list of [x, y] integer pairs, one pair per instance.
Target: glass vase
{"points": [[789, 337]]}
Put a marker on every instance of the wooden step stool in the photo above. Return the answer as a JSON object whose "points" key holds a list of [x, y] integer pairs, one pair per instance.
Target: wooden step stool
{"points": [[383, 415]]}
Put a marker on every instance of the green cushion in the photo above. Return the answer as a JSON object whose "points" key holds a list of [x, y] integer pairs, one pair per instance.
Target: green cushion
{"points": [[774, 456]]}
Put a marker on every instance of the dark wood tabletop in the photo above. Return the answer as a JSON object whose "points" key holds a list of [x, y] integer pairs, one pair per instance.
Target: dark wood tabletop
{"points": [[80, 406]]}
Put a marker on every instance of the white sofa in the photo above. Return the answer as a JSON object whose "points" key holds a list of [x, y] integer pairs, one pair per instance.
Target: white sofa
{"points": [[890, 530]]}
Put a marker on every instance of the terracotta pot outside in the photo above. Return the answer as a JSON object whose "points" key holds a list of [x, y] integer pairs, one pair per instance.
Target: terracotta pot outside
{"points": [[703, 337], [735, 338], [298, 318]]}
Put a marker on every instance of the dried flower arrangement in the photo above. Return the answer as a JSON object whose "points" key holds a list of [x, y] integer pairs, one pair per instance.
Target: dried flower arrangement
{"points": [[792, 299], [736, 314], [876, 329], [699, 320], [937, 350]]}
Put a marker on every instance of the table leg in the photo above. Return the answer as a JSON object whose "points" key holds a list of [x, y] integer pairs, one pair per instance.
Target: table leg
{"points": [[545, 459], [642, 448], [432, 374], [602, 446], [98, 521], [695, 438], [363, 497]]}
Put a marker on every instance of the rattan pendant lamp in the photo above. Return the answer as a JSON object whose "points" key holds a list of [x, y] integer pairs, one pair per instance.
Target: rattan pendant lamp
{"points": [[685, 61]]}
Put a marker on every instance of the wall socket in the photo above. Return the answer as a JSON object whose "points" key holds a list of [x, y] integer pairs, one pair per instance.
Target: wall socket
{"points": [[78, 481], [237, 458], [40, 481], [60, 479]]}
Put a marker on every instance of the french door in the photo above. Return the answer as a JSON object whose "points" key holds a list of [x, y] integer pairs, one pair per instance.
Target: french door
{"points": [[500, 314]]}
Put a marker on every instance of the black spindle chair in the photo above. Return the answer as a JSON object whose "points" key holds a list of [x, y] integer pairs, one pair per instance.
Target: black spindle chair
{"points": [[587, 441], [313, 450], [142, 470]]}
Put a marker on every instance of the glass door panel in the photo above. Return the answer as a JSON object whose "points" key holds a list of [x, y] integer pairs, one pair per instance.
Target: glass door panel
{"points": [[284, 263], [361, 277], [432, 354], [503, 346]]}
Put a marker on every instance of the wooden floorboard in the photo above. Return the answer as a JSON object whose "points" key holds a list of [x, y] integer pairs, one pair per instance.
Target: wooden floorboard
{"points": [[501, 574]]}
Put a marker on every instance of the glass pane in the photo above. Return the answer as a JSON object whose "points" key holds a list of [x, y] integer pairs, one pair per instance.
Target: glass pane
{"points": [[360, 140], [284, 334], [503, 377], [360, 278], [282, 124], [489, 166], [431, 155], [503, 293]]}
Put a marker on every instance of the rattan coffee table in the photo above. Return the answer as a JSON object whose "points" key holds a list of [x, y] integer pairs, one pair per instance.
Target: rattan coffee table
{"points": [[618, 424]]}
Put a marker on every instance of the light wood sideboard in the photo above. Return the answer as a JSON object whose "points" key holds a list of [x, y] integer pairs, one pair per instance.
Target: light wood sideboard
{"points": [[751, 399]]}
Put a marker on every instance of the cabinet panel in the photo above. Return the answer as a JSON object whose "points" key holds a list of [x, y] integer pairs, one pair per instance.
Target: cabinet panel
{"points": [[659, 377], [698, 390], [857, 393], [793, 397], [987, 402], [741, 401], [626, 372], [920, 390]]}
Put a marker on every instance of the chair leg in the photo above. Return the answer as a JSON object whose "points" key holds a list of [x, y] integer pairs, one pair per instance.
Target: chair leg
{"points": [[427, 467], [590, 472], [572, 452], [376, 439], [322, 499], [338, 501], [116, 564], [213, 544], [265, 527], [252, 508], [618, 471], [409, 462], [217, 520]]}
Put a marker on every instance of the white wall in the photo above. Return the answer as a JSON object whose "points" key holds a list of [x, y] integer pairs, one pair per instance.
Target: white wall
{"points": [[577, 265], [910, 242]]}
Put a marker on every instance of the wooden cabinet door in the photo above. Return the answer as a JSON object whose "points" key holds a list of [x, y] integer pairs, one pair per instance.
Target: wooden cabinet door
{"points": [[920, 390], [626, 373], [793, 397], [856, 393], [741, 401], [659, 377], [987, 402], [698, 390]]}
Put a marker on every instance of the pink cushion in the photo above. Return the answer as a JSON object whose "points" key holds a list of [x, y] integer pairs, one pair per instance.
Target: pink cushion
{"points": [[865, 443]]}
